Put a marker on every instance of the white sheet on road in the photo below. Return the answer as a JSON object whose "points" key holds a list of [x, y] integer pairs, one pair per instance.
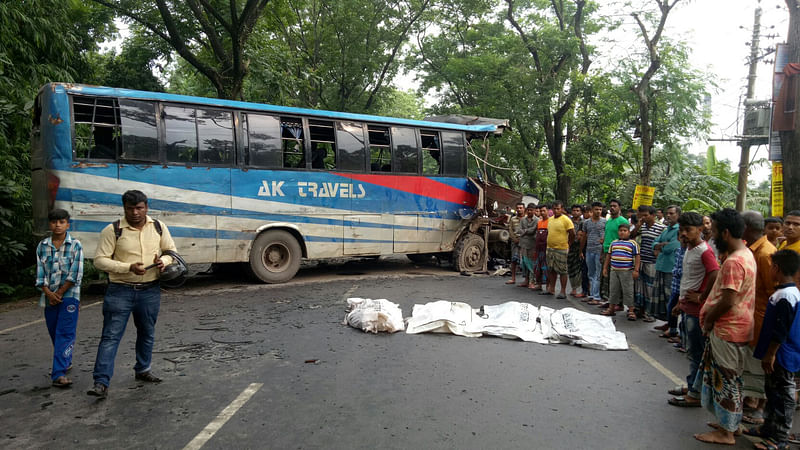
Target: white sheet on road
{"points": [[374, 315], [517, 320]]}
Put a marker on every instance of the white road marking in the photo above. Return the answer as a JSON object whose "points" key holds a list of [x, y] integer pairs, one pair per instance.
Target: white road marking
{"points": [[650, 360], [8, 330], [211, 429], [349, 292]]}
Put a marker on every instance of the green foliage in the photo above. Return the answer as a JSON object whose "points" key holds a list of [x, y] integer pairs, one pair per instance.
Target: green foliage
{"points": [[41, 41]]}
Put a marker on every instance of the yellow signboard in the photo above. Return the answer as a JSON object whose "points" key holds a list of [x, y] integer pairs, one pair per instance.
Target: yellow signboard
{"points": [[643, 196], [777, 189]]}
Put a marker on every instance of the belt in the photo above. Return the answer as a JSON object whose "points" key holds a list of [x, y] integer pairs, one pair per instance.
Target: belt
{"points": [[139, 286]]}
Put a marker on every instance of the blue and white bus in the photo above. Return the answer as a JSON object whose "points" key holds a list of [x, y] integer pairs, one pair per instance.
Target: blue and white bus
{"points": [[255, 183]]}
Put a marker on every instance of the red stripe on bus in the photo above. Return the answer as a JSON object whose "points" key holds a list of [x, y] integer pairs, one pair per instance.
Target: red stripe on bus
{"points": [[418, 186]]}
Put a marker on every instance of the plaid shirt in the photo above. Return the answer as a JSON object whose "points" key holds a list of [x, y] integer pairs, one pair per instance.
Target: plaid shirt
{"points": [[54, 267], [677, 270]]}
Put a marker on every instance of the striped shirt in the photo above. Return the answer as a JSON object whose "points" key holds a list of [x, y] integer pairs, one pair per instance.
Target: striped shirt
{"points": [[623, 253], [56, 266], [648, 235]]}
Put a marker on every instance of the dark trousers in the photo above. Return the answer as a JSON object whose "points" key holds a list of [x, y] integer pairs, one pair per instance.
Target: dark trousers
{"points": [[584, 277], [778, 413]]}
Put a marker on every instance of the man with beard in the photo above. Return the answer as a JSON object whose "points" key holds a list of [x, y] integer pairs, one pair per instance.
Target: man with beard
{"points": [[727, 319]]}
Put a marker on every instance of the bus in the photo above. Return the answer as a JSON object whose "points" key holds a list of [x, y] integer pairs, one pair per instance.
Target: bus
{"points": [[259, 184]]}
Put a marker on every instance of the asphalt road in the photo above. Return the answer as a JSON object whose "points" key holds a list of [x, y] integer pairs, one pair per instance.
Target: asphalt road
{"points": [[279, 365]]}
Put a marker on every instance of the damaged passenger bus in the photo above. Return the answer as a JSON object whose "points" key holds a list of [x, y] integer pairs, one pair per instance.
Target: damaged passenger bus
{"points": [[259, 184]]}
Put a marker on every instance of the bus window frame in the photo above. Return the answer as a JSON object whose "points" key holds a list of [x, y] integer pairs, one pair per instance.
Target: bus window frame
{"points": [[394, 153], [390, 147], [365, 148], [162, 138], [73, 123]]}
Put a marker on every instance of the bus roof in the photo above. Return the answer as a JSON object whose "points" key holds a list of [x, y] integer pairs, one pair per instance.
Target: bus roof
{"points": [[145, 95]]}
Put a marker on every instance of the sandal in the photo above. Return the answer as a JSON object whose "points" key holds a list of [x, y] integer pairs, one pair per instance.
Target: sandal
{"points": [[769, 444], [632, 314], [753, 431], [674, 340], [594, 302], [62, 382], [667, 335], [755, 417], [648, 318], [678, 390], [682, 402], [608, 312]]}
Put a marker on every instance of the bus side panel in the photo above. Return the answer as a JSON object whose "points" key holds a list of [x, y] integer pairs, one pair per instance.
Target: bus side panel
{"points": [[313, 203], [188, 199]]}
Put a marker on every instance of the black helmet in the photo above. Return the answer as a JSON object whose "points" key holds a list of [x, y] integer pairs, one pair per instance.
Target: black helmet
{"points": [[175, 270]]}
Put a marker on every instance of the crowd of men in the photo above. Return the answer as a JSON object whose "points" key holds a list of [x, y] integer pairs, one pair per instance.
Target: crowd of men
{"points": [[724, 285]]}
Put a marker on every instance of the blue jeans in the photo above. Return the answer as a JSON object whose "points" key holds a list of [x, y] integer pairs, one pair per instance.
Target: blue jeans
{"points": [[62, 320], [594, 266], [120, 301], [695, 344]]}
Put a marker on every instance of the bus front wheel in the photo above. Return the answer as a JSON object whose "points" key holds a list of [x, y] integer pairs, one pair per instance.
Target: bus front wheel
{"points": [[468, 254], [275, 256]]}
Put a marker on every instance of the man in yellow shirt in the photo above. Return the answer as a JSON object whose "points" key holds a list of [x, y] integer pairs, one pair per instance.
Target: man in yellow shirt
{"points": [[791, 231], [560, 235], [124, 248]]}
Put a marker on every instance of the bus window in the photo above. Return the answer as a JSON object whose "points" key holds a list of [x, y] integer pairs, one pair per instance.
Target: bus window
{"points": [[96, 127], [215, 136], [431, 153], [406, 153], [323, 144], [380, 149], [180, 134], [139, 131], [262, 140], [455, 155], [292, 146], [350, 140]]}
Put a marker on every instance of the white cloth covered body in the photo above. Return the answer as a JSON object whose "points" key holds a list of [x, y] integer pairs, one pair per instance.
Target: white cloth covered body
{"points": [[374, 315], [517, 320]]}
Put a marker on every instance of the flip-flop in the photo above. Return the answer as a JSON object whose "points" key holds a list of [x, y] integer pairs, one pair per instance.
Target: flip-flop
{"points": [[594, 302], [608, 313], [678, 390], [753, 431], [681, 402], [769, 444], [62, 382], [545, 293], [561, 296], [754, 417]]}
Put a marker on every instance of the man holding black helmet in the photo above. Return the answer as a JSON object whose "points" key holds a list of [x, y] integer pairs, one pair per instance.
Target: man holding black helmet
{"points": [[125, 247]]}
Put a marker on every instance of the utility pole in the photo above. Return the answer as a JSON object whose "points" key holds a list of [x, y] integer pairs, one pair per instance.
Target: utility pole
{"points": [[744, 161]]}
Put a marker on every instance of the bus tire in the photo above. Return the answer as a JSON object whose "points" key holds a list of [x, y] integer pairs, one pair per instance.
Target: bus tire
{"points": [[469, 253], [275, 256]]}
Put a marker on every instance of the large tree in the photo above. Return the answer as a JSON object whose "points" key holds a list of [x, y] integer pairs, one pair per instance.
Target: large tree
{"points": [[644, 93], [211, 35], [343, 55], [555, 37]]}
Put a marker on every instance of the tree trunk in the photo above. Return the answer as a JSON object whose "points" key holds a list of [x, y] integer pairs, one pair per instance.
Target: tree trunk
{"points": [[791, 140]]}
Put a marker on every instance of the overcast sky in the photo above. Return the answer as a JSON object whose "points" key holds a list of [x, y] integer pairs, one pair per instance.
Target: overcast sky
{"points": [[714, 29]]}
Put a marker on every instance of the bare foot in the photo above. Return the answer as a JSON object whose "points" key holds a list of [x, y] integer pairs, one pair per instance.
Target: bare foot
{"points": [[717, 426], [723, 437]]}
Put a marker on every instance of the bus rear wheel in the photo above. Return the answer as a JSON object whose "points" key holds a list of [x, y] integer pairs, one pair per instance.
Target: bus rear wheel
{"points": [[469, 253], [275, 256]]}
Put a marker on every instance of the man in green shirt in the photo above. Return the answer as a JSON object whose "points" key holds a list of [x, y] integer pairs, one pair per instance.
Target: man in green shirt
{"points": [[612, 225]]}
